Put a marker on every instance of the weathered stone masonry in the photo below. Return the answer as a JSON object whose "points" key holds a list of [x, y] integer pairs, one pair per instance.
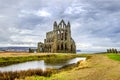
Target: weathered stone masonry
{"points": [[59, 40]]}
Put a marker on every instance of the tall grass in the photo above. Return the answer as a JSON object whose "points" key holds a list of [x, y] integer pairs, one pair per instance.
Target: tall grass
{"points": [[22, 74]]}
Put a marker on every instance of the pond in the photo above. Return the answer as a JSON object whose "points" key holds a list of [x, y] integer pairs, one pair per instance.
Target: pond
{"points": [[39, 65]]}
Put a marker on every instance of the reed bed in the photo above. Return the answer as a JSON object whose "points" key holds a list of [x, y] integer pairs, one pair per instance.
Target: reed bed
{"points": [[22, 74]]}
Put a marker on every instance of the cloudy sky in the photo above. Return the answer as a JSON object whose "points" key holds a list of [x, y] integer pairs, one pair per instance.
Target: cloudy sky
{"points": [[95, 23]]}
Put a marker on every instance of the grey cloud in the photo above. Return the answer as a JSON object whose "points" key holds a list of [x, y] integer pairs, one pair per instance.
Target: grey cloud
{"points": [[93, 21]]}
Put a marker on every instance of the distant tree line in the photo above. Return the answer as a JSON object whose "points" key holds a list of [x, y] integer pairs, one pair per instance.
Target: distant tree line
{"points": [[113, 50], [31, 50]]}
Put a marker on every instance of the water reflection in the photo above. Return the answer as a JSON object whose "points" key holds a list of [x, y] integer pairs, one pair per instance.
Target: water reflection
{"points": [[37, 65]]}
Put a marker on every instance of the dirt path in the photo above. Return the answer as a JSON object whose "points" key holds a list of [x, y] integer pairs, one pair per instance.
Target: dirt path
{"points": [[101, 68]]}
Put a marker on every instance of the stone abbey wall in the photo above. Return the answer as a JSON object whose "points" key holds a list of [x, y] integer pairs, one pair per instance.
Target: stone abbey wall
{"points": [[59, 40]]}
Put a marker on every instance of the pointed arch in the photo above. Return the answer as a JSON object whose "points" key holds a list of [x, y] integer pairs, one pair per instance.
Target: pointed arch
{"points": [[65, 46], [58, 48], [61, 46]]}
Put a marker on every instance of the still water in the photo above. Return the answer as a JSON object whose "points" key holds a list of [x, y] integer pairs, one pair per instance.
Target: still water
{"points": [[38, 65]]}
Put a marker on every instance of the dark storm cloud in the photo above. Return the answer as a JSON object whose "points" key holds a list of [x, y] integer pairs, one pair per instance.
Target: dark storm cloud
{"points": [[95, 23]]}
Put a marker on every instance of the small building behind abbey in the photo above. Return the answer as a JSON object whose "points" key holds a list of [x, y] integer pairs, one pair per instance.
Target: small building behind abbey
{"points": [[59, 40]]}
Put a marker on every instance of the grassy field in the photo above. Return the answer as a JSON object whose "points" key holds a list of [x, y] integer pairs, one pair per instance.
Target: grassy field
{"points": [[114, 56], [98, 67]]}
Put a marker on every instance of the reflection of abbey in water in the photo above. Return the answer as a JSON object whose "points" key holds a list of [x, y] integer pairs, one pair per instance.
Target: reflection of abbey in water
{"points": [[59, 40]]}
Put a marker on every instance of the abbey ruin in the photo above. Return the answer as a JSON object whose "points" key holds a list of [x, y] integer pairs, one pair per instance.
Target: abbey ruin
{"points": [[59, 40]]}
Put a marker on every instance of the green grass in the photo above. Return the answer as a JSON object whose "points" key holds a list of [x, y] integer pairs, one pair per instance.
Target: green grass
{"points": [[53, 77], [49, 58], [12, 60], [114, 56]]}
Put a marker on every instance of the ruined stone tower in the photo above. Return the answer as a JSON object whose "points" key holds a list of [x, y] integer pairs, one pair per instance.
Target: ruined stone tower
{"points": [[59, 40]]}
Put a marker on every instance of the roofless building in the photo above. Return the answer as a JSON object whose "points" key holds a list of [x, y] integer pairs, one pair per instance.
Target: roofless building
{"points": [[59, 40]]}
